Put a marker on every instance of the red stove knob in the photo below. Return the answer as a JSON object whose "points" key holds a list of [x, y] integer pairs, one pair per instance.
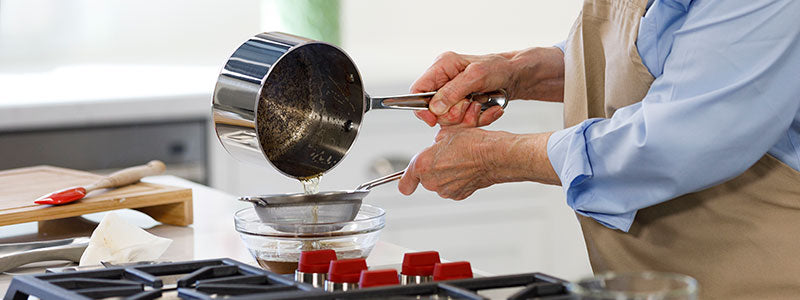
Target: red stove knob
{"points": [[420, 263], [316, 261], [346, 270], [452, 270], [378, 278]]}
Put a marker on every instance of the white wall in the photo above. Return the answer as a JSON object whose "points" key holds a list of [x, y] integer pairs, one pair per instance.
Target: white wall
{"points": [[43, 34], [394, 41]]}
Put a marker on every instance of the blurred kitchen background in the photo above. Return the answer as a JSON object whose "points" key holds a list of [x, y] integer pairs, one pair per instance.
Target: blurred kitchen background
{"points": [[101, 85]]}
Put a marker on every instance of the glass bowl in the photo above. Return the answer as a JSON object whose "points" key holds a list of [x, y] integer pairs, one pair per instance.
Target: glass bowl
{"points": [[635, 286], [277, 246]]}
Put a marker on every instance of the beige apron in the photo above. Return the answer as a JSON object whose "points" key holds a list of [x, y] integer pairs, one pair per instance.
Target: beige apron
{"points": [[740, 239]]}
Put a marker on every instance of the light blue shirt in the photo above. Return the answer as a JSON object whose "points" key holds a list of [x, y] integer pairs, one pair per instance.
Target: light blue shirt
{"points": [[727, 91]]}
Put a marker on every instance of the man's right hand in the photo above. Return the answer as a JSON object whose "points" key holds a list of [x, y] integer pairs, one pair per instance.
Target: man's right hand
{"points": [[535, 73], [455, 76]]}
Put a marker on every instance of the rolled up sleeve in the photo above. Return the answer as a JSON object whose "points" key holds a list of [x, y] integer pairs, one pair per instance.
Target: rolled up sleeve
{"points": [[730, 89], [562, 45]]}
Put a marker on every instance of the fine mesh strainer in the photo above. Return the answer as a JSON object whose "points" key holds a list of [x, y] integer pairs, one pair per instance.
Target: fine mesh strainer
{"points": [[322, 207]]}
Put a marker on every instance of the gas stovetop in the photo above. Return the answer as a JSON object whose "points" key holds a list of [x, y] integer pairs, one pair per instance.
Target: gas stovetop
{"points": [[230, 279]]}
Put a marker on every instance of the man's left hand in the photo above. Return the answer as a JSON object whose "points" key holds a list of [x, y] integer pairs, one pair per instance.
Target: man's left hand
{"points": [[464, 159], [456, 165]]}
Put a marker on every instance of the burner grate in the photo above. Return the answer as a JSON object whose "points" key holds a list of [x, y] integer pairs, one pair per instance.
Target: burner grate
{"points": [[534, 286], [202, 279], [230, 279]]}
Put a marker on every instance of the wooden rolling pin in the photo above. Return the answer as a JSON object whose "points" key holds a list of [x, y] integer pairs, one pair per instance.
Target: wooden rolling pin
{"points": [[117, 179]]}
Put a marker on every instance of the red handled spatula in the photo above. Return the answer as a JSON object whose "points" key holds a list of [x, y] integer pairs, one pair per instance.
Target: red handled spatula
{"points": [[117, 179]]}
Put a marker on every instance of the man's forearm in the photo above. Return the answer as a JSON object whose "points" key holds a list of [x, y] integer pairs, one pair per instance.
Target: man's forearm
{"points": [[538, 74], [519, 157]]}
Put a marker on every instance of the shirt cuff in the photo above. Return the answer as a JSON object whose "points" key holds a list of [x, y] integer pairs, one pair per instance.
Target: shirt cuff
{"points": [[621, 222], [566, 150], [562, 45]]}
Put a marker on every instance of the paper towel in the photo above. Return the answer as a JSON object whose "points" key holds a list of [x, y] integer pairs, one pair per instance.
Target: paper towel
{"points": [[117, 241]]}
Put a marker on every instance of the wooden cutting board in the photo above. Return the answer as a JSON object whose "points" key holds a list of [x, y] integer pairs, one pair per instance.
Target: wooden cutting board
{"points": [[19, 187]]}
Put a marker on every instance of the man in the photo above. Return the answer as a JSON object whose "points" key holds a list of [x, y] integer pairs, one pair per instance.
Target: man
{"points": [[682, 138]]}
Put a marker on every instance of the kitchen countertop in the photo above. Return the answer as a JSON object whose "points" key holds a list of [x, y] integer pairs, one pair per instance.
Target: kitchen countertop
{"points": [[211, 236]]}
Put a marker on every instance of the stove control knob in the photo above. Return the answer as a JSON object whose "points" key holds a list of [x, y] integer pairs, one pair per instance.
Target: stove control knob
{"points": [[378, 278], [418, 267], [317, 261], [344, 274], [313, 266], [452, 270]]}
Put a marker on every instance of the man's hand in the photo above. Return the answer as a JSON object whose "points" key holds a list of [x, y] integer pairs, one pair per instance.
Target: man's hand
{"points": [[535, 73], [455, 166], [454, 77], [464, 159]]}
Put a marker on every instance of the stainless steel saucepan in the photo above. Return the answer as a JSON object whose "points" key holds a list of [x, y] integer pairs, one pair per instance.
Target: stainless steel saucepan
{"points": [[297, 104]]}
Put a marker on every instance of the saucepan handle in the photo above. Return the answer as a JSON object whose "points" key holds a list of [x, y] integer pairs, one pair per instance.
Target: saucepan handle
{"points": [[420, 101]]}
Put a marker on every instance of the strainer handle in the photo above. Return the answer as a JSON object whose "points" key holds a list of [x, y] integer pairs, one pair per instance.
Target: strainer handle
{"points": [[385, 179]]}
